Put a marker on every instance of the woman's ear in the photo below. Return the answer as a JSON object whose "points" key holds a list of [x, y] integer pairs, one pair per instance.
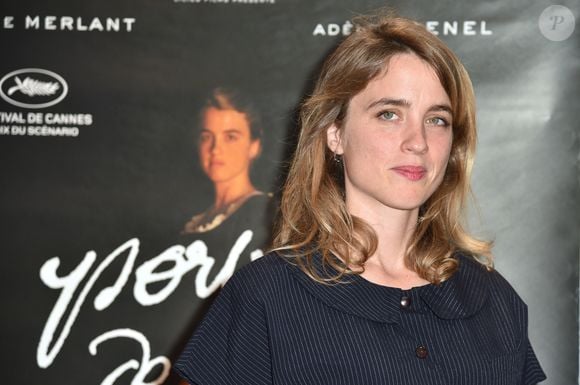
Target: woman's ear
{"points": [[255, 149], [333, 139]]}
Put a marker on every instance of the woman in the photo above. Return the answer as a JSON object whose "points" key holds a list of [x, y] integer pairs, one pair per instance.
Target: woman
{"points": [[228, 142], [374, 279]]}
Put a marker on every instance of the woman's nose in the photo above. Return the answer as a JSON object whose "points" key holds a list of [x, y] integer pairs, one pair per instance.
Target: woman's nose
{"points": [[415, 138], [216, 145]]}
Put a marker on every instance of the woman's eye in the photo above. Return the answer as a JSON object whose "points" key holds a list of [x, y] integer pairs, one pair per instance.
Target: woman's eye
{"points": [[387, 115], [437, 122], [231, 137]]}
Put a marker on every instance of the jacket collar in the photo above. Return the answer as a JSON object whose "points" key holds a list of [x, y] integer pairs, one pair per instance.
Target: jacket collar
{"points": [[461, 296]]}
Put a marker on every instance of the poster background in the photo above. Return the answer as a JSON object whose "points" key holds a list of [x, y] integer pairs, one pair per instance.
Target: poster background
{"points": [[133, 172]]}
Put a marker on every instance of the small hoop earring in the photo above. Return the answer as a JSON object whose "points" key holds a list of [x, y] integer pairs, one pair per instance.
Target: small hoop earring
{"points": [[337, 158]]}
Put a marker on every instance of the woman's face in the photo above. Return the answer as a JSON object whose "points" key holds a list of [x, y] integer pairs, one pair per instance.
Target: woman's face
{"points": [[226, 148], [395, 139]]}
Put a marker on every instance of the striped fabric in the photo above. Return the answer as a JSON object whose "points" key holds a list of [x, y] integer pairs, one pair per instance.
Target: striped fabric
{"points": [[272, 324]]}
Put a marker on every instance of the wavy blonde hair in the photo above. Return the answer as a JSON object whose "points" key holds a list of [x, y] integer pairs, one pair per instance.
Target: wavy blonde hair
{"points": [[313, 214]]}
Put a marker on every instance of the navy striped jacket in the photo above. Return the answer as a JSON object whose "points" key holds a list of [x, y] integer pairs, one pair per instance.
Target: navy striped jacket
{"points": [[272, 324]]}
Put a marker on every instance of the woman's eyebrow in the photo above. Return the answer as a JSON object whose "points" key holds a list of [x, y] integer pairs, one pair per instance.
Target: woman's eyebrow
{"points": [[390, 102], [440, 107], [232, 131], [405, 103]]}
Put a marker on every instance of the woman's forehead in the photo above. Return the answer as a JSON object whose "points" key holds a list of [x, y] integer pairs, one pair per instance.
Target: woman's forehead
{"points": [[219, 120], [405, 79]]}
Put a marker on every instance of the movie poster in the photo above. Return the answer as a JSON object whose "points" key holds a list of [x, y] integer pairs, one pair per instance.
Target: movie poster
{"points": [[122, 121]]}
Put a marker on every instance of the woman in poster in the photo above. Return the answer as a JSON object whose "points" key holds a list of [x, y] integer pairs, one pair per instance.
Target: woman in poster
{"points": [[229, 140], [374, 279]]}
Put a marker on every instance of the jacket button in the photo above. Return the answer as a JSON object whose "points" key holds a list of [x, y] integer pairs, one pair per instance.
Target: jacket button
{"points": [[405, 302], [421, 352]]}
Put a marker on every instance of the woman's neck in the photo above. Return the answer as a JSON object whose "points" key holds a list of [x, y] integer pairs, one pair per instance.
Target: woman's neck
{"points": [[394, 229], [231, 191]]}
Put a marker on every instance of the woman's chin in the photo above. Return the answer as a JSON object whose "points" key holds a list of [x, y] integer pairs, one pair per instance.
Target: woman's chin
{"points": [[222, 177]]}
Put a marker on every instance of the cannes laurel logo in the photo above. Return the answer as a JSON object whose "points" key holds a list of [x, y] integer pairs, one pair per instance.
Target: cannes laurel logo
{"points": [[33, 88]]}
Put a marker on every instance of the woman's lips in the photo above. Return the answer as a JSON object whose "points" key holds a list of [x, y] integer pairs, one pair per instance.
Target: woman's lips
{"points": [[413, 173]]}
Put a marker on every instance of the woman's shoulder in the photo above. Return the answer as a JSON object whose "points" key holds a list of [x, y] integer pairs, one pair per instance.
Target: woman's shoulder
{"points": [[250, 210], [492, 285], [271, 263], [262, 274], [495, 280]]}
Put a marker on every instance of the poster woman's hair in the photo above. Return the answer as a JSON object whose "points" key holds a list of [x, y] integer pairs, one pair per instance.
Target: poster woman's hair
{"points": [[229, 98]]}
